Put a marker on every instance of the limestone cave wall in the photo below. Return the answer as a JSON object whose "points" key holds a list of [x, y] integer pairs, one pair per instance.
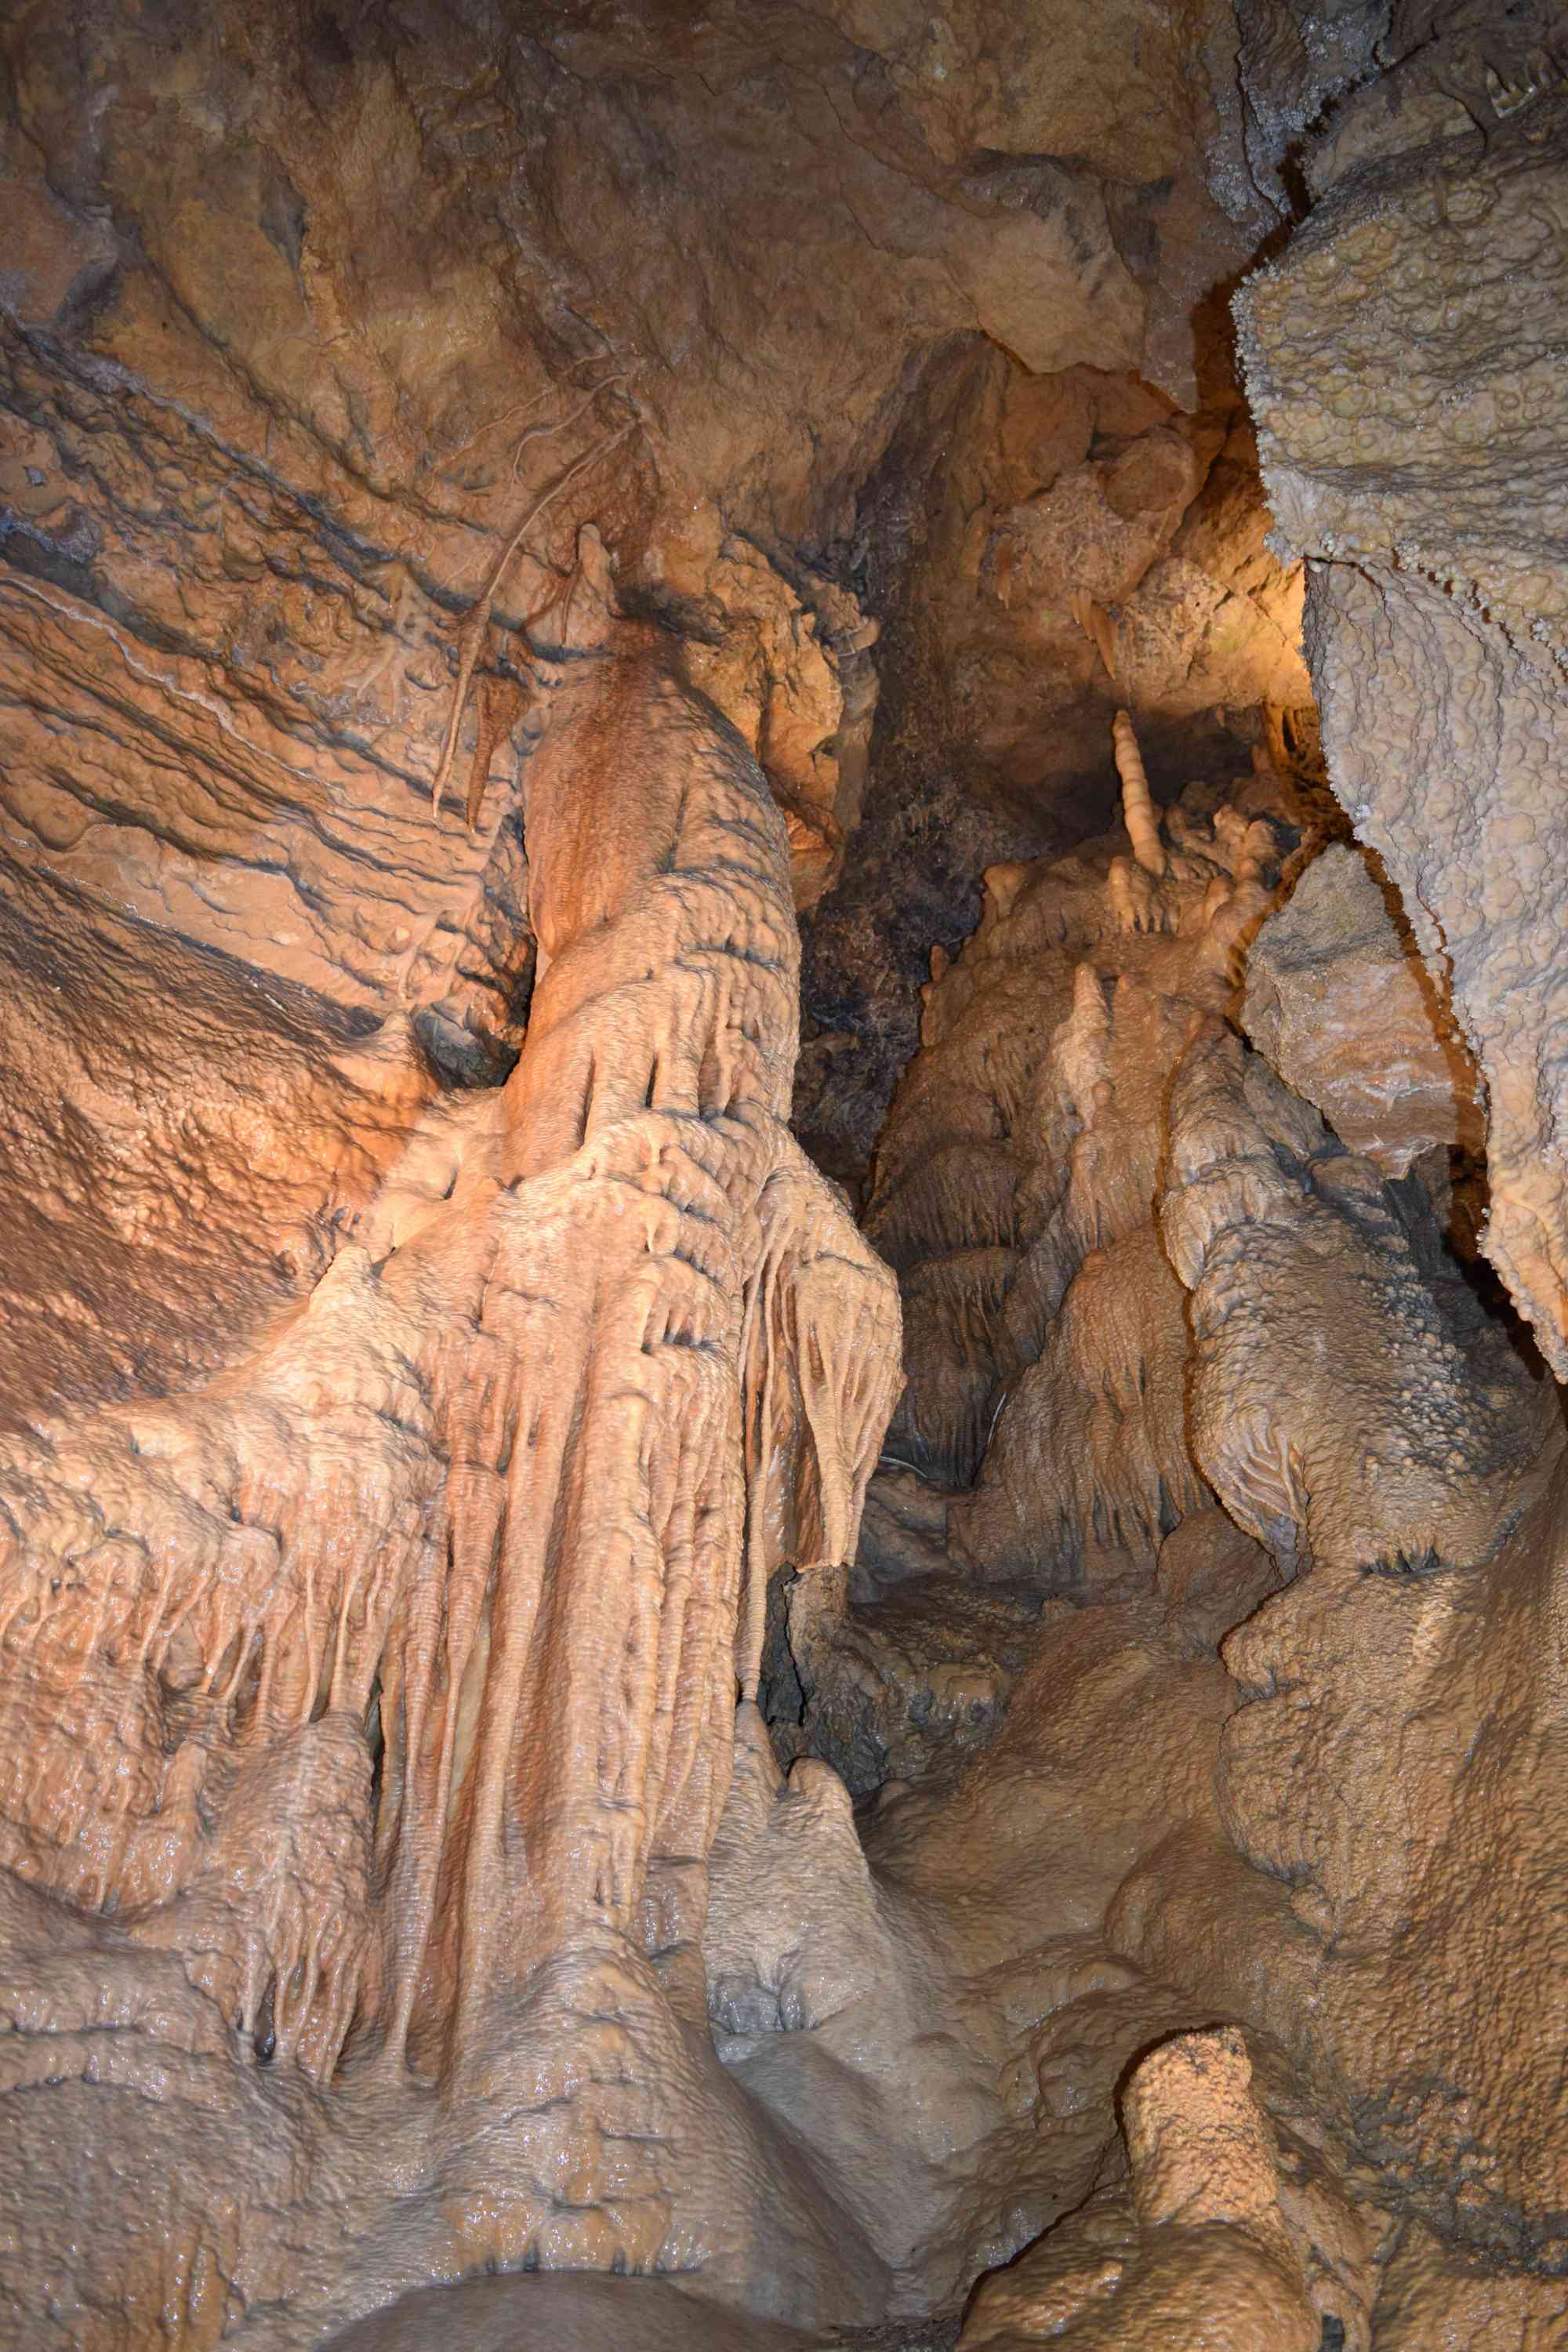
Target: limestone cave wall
{"points": [[782, 1485]]}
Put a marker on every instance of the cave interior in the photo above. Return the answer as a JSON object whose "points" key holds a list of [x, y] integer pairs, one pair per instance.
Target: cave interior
{"points": [[784, 1175]]}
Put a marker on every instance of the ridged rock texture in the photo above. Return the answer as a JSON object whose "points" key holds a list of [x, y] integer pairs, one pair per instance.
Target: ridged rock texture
{"points": [[1186, 1373], [1404, 364], [396, 1668], [616, 1732], [1017, 1174]]}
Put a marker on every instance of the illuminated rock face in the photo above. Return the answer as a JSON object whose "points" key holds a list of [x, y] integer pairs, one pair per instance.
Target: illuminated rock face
{"points": [[1354, 1023], [287, 319], [497, 1843], [1402, 364], [1016, 1179], [397, 1667]]}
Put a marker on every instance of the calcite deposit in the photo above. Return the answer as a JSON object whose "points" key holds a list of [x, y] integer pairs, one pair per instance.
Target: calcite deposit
{"points": [[399, 1661], [782, 1495], [1353, 1021], [1403, 363]]}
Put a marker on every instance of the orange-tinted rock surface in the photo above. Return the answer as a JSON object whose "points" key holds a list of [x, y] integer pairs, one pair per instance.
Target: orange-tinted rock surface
{"points": [[1016, 1182], [1081, 541], [1047, 549], [1279, 1854], [541, 1798], [396, 1667]]}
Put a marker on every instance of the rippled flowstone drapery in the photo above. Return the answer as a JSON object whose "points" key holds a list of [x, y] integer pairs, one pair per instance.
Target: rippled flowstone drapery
{"points": [[368, 1713]]}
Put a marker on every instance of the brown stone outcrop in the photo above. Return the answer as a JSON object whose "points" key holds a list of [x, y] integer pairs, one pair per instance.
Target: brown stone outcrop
{"points": [[1015, 1183]]}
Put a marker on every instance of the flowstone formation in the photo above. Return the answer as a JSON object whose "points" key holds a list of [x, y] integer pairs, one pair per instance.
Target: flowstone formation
{"points": [[640, 1707], [369, 1710], [1016, 1175], [1188, 1376]]}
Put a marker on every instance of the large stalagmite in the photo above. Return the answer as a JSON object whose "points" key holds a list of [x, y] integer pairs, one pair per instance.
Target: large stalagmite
{"points": [[398, 1665]]}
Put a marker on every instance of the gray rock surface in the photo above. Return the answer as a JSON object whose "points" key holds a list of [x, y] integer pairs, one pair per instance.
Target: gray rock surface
{"points": [[1339, 1002]]}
